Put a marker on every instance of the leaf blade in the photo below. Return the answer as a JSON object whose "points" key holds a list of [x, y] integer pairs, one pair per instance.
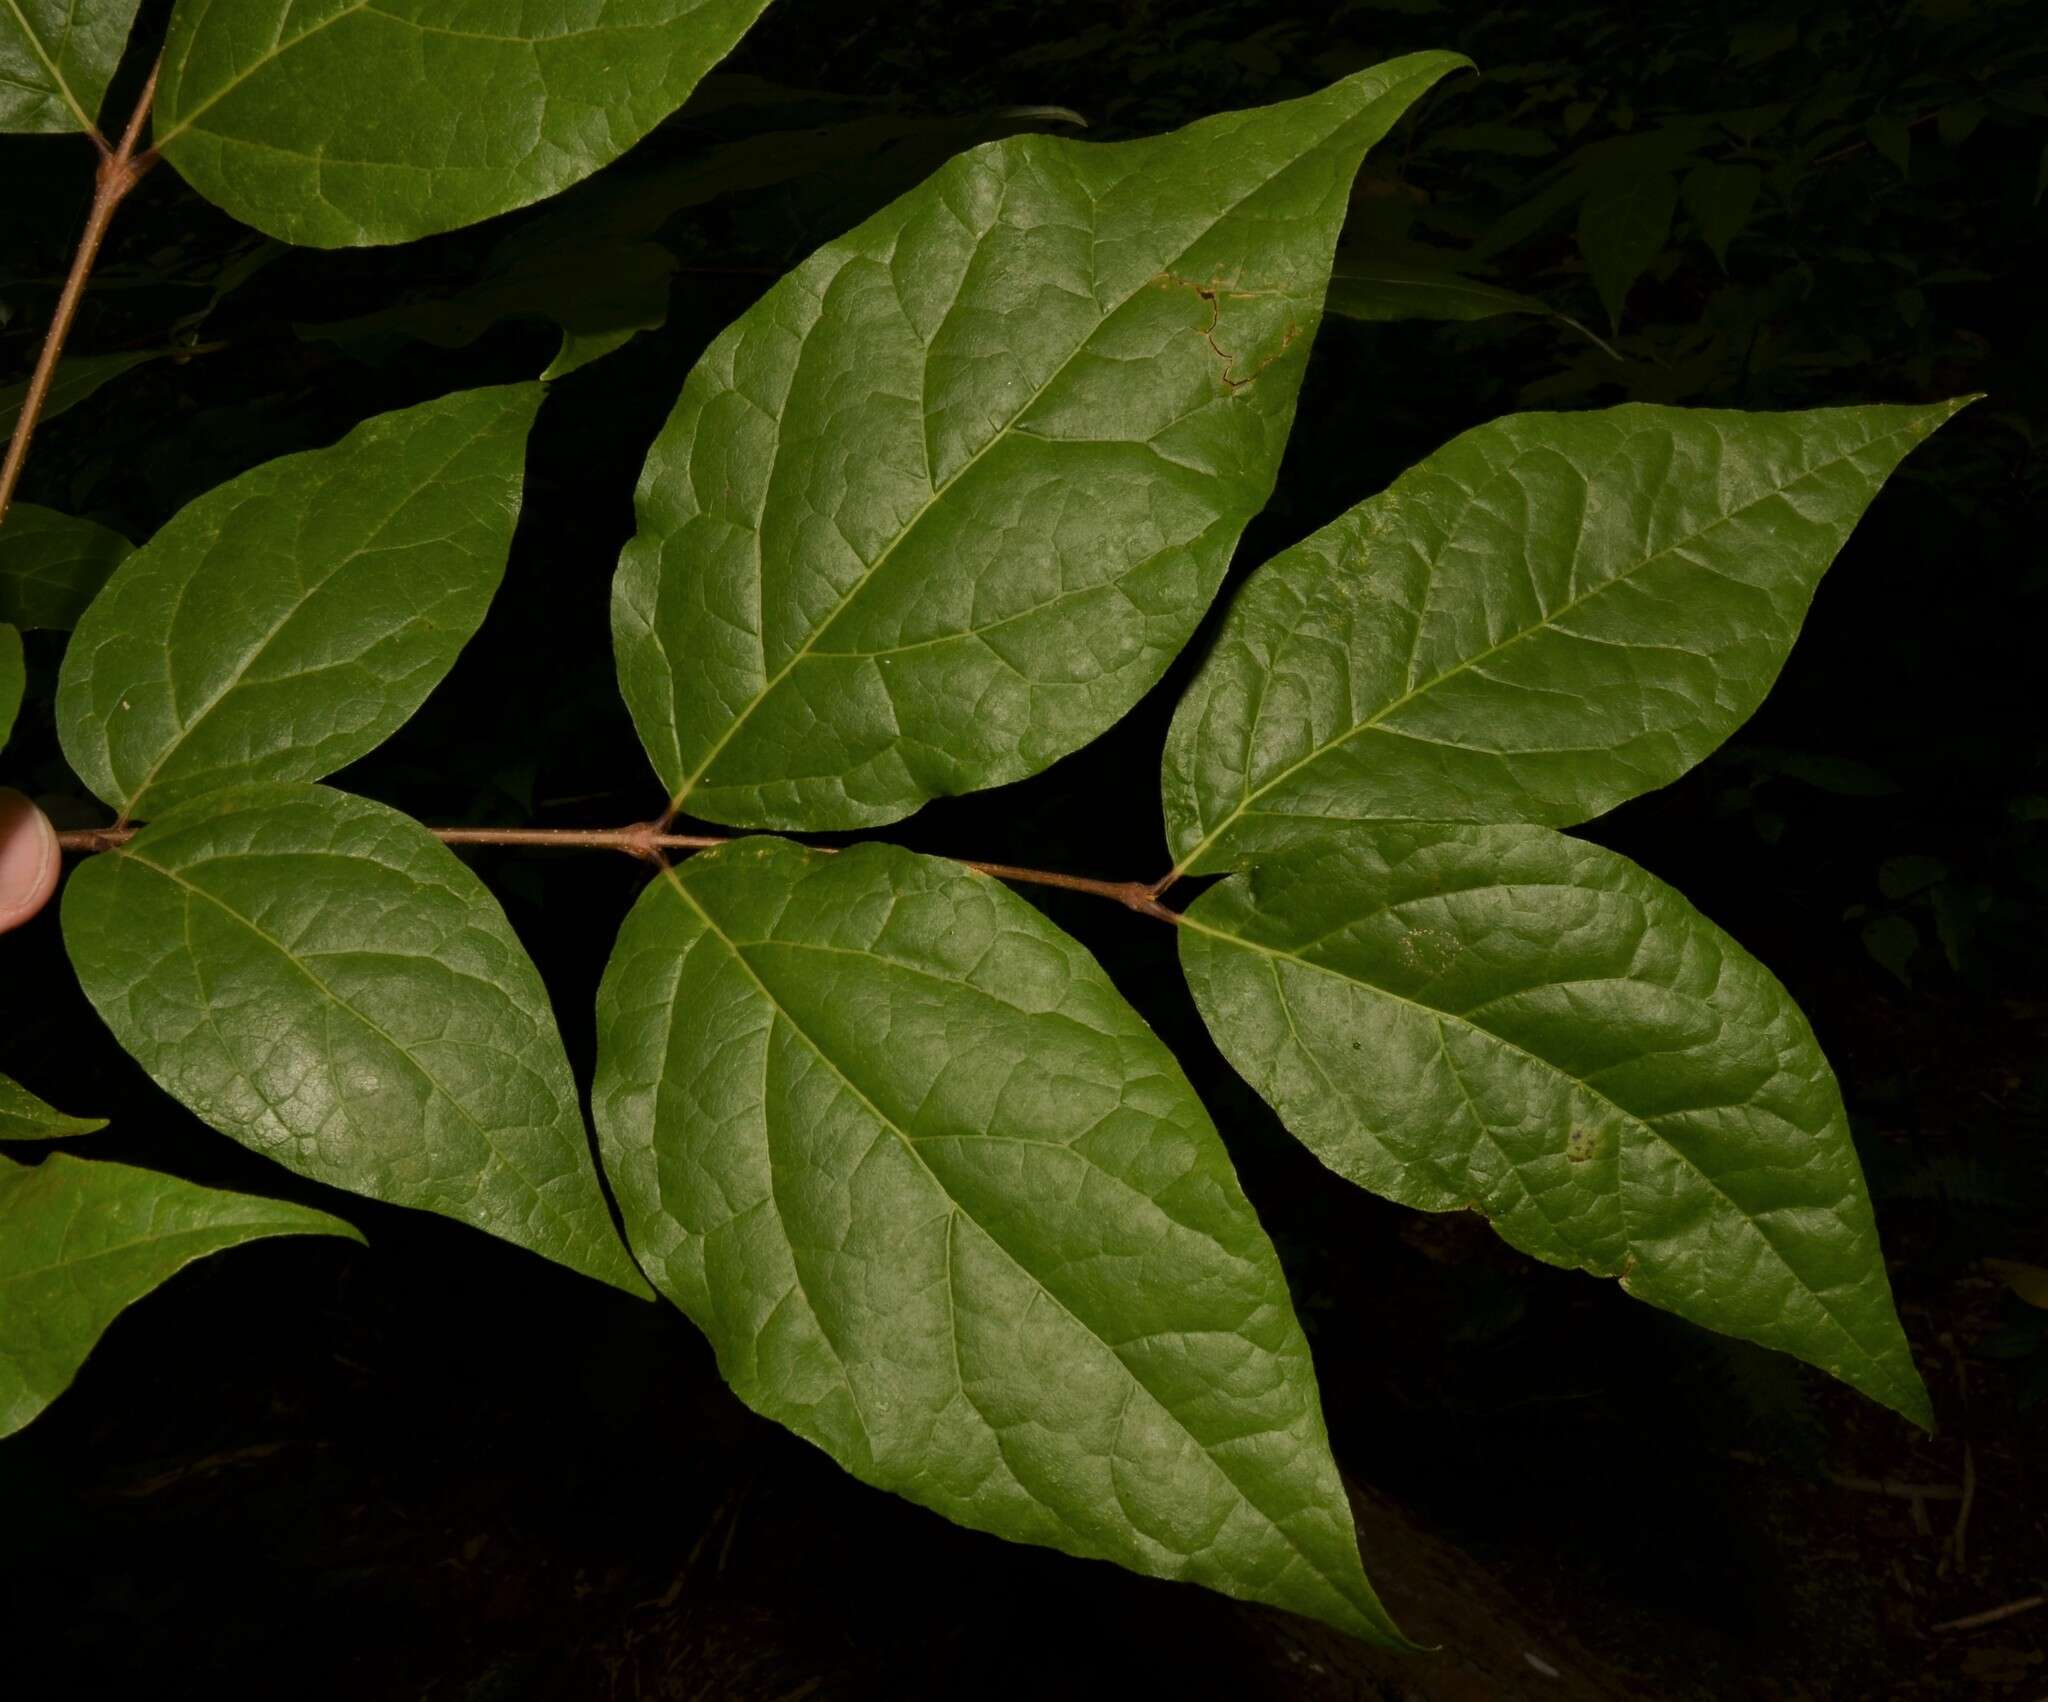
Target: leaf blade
{"points": [[291, 620], [360, 124], [52, 565], [80, 1241], [320, 979], [13, 679], [842, 604], [882, 1241], [56, 59], [24, 1117], [1550, 615], [1563, 1042]]}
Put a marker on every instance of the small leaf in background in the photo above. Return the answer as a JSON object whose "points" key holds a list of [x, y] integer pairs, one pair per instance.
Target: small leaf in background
{"points": [[1382, 288], [1891, 942], [13, 679], [1551, 614], [1622, 227], [1893, 138], [1509, 139], [947, 1208], [77, 377], [1505, 1018], [2029, 1282], [321, 979], [56, 59], [1956, 123], [80, 1241], [52, 565], [291, 620], [601, 297], [945, 502], [1720, 199], [335, 126], [24, 1117], [1901, 877]]}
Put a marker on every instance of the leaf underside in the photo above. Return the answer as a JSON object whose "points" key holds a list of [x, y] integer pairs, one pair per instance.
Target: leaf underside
{"points": [[291, 620], [1550, 615], [1506, 1019], [942, 505], [335, 123], [947, 1208], [80, 1241], [322, 980]]}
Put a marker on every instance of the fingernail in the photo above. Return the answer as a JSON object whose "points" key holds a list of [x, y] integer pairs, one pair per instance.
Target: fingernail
{"points": [[28, 859]]}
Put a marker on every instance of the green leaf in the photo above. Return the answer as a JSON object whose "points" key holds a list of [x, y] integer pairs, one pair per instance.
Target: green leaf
{"points": [[1892, 137], [77, 377], [56, 59], [80, 1241], [13, 679], [1622, 227], [341, 124], [600, 296], [1551, 614], [1506, 1019], [1379, 289], [948, 1209], [291, 620], [24, 1117], [52, 565], [946, 501], [318, 977], [1720, 199]]}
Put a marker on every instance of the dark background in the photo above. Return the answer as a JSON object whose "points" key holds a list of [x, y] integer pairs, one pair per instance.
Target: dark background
{"points": [[439, 1467]]}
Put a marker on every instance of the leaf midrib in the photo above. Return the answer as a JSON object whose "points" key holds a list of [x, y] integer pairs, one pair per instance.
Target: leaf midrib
{"points": [[818, 1050], [1548, 623]]}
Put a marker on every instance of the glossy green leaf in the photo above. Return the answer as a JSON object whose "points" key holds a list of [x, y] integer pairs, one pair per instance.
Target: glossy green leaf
{"points": [[24, 1117], [81, 1241], [336, 124], [320, 978], [1622, 227], [947, 1208], [56, 59], [1549, 615], [13, 679], [52, 565], [946, 501], [1505, 1019], [286, 623], [77, 377], [1720, 199]]}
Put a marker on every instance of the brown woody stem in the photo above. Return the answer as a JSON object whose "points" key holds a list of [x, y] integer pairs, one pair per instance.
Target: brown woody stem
{"points": [[120, 170], [649, 841]]}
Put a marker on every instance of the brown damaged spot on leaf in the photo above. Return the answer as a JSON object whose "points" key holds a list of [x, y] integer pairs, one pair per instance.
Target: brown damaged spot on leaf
{"points": [[1581, 1144], [1216, 292]]}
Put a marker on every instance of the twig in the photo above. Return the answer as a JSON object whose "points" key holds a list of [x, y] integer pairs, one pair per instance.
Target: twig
{"points": [[1970, 1622], [1969, 1500], [649, 841], [120, 170]]}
